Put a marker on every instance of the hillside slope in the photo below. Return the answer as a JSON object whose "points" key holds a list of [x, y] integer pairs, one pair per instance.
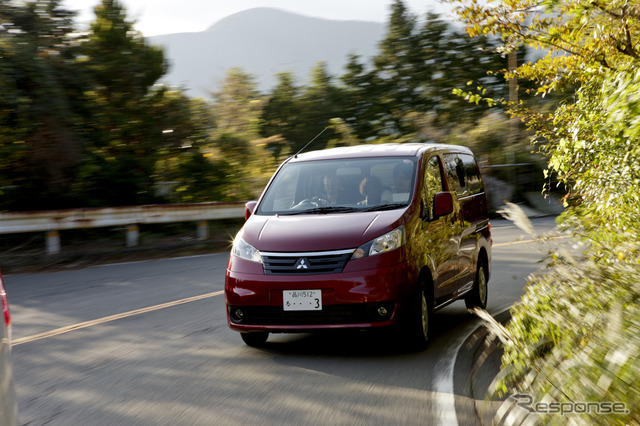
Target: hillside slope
{"points": [[264, 42]]}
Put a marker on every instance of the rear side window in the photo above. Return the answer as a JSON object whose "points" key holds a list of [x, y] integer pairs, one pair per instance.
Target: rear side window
{"points": [[463, 174], [454, 169], [472, 174]]}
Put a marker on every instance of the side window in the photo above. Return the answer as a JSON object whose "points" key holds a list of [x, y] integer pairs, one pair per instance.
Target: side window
{"points": [[432, 183], [454, 169], [472, 174]]}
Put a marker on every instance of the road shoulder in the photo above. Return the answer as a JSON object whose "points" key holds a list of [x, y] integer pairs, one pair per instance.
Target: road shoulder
{"points": [[478, 362]]}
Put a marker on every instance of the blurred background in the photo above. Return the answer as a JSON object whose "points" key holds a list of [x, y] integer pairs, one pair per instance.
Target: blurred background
{"points": [[95, 115], [88, 121]]}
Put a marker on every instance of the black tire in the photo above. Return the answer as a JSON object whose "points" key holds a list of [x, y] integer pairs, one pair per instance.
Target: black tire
{"points": [[420, 319], [477, 297], [255, 339]]}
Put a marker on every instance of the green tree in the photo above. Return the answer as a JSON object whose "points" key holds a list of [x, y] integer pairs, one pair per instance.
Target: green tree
{"points": [[122, 130], [238, 104], [184, 173], [395, 82], [408, 89], [39, 149], [281, 115], [361, 97], [322, 100], [403, 93], [302, 114], [237, 109], [202, 178], [452, 59], [121, 62]]}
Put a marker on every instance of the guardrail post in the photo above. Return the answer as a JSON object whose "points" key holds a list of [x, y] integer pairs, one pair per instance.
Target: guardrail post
{"points": [[133, 235], [52, 239], [203, 230]]}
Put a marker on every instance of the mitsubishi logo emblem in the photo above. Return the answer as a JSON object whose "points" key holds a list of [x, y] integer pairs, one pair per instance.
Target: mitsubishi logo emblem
{"points": [[302, 263]]}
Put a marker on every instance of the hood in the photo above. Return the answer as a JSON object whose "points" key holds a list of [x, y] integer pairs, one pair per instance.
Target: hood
{"points": [[317, 232]]}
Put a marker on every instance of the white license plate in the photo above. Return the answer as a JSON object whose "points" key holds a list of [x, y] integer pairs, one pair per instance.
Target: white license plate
{"points": [[302, 300]]}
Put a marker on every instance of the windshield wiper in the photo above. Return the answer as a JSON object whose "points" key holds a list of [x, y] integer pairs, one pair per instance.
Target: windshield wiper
{"points": [[324, 210], [381, 207]]}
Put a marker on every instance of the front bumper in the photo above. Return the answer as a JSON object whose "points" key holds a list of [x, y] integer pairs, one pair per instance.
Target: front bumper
{"points": [[355, 298]]}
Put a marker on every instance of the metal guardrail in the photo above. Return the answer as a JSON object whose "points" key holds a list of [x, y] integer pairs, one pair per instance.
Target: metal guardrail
{"points": [[53, 221]]}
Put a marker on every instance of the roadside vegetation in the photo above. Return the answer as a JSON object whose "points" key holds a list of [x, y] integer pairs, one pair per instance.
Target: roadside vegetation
{"points": [[572, 344]]}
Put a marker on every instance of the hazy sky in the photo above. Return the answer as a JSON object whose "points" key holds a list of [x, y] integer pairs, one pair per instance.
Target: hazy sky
{"points": [[155, 17]]}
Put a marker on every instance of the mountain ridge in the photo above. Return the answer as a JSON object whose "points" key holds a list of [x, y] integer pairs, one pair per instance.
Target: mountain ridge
{"points": [[264, 42]]}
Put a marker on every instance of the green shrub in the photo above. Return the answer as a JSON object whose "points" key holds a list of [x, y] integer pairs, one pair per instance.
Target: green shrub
{"points": [[572, 344]]}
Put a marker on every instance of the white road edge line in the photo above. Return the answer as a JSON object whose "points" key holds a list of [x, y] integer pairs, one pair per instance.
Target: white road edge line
{"points": [[444, 377], [443, 380]]}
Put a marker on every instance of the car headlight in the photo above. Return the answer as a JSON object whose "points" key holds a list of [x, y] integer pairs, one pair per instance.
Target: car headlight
{"points": [[387, 242], [244, 250]]}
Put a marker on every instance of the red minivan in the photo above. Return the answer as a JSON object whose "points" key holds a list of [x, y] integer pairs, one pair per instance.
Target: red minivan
{"points": [[361, 237]]}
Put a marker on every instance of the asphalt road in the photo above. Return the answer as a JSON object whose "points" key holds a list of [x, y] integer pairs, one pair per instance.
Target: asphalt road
{"points": [[147, 343]]}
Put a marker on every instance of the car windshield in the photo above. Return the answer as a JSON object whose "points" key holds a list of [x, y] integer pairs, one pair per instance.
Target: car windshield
{"points": [[340, 186]]}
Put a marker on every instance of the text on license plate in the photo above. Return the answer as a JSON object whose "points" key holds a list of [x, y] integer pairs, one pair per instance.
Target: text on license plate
{"points": [[302, 300]]}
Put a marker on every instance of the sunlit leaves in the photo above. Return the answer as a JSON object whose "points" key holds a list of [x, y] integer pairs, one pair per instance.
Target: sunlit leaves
{"points": [[597, 34], [575, 334]]}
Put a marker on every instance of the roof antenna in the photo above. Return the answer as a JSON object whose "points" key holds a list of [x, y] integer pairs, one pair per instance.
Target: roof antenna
{"points": [[310, 142]]}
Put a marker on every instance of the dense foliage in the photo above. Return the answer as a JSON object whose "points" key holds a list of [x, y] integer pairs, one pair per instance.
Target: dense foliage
{"points": [[81, 123], [574, 338]]}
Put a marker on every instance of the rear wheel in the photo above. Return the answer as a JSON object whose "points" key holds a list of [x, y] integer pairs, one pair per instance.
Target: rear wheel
{"points": [[255, 339], [478, 295]]}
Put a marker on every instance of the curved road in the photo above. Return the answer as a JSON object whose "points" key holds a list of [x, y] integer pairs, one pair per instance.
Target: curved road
{"points": [[147, 343]]}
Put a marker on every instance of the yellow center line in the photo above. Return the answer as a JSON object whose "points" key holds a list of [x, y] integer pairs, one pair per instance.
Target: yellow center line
{"points": [[80, 325]]}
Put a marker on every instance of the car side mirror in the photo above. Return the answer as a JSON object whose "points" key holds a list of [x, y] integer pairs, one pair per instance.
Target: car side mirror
{"points": [[249, 208], [443, 204]]}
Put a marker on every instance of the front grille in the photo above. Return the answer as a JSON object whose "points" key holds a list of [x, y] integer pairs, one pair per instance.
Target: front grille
{"points": [[331, 262], [360, 313]]}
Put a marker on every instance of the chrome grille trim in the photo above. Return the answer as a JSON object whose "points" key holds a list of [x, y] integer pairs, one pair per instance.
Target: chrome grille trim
{"points": [[305, 263]]}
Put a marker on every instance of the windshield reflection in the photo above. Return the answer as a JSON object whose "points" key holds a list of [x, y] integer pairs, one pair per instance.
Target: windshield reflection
{"points": [[340, 186]]}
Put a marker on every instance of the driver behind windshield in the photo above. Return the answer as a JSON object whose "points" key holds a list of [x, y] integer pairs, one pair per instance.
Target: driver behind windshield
{"points": [[332, 191], [332, 195]]}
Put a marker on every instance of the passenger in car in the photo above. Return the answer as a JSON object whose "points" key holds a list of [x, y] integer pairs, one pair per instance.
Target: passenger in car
{"points": [[332, 190], [402, 174], [371, 190]]}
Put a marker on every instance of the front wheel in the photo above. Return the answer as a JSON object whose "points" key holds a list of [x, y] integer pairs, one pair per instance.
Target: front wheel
{"points": [[255, 339], [477, 298], [420, 320]]}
